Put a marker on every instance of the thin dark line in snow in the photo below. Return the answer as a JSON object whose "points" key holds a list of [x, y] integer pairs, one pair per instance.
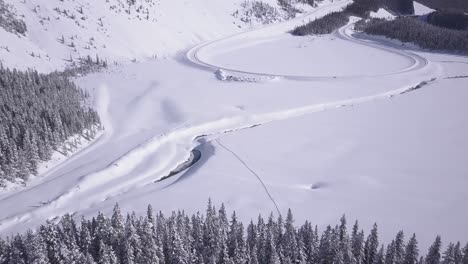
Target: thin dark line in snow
{"points": [[254, 173]]}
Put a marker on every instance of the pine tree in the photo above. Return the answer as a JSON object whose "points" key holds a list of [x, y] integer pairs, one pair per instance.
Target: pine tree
{"points": [[107, 255], [399, 248], [371, 246], [380, 257], [17, 251], [149, 252], [85, 237], [289, 241], [433, 256], [131, 247], [272, 254], [178, 253], [411, 252], [357, 240], [465, 254], [35, 249], [457, 253], [449, 254], [117, 234], [390, 253]]}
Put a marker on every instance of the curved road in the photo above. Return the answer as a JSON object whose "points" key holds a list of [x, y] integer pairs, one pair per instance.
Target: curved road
{"points": [[418, 62]]}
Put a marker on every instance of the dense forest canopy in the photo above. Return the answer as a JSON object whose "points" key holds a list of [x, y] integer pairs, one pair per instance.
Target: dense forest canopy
{"points": [[38, 112], [414, 30], [215, 238], [447, 19]]}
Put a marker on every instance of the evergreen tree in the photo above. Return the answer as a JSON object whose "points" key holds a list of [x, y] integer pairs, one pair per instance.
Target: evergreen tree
{"points": [[465, 254], [35, 249], [457, 253], [380, 257], [178, 254], [371, 246], [390, 253], [289, 245], [449, 254], [357, 240], [107, 255], [433, 256], [175, 239], [411, 252], [399, 248]]}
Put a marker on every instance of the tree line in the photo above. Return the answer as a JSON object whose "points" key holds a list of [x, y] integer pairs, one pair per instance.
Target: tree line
{"points": [[38, 112], [415, 30], [214, 238], [450, 20]]}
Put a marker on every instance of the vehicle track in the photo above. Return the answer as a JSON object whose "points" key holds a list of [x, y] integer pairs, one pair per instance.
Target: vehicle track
{"points": [[270, 196]]}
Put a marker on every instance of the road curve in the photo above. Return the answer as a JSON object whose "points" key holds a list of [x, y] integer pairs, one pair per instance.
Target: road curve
{"points": [[417, 62]]}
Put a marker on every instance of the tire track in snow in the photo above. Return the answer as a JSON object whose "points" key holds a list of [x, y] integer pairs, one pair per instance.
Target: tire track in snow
{"points": [[253, 172]]}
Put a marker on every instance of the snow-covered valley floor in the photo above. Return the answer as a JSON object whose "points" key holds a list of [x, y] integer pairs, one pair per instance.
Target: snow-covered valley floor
{"points": [[340, 129]]}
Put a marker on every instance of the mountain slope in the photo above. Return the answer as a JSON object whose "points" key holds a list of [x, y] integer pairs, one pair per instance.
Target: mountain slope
{"points": [[61, 31]]}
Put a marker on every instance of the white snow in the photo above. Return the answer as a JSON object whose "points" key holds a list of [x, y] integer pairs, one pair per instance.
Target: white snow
{"points": [[420, 9], [382, 13], [104, 28], [331, 125]]}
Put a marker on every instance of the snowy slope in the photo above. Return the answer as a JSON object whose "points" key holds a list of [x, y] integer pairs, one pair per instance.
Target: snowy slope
{"points": [[60, 32]]}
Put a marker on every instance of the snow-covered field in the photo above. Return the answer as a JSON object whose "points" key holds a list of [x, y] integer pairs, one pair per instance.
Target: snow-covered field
{"points": [[340, 129]]}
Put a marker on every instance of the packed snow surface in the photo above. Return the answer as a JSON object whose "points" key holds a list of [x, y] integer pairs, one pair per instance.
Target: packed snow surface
{"points": [[355, 126]]}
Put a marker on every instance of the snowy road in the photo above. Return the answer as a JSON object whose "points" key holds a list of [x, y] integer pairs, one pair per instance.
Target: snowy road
{"points": [[196, 55]]}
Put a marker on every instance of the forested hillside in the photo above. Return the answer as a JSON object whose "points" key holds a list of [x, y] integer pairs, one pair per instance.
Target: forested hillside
{"points": [[425, 35], [450, 20], [359, 8], [215, 238], [330, 22], [38, 113]]}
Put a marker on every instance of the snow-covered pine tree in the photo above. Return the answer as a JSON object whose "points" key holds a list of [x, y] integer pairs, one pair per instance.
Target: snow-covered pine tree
{"points": [[371, 246], [357, 240], [399, 247], [433, 256], [465, 254], [412, 251]]}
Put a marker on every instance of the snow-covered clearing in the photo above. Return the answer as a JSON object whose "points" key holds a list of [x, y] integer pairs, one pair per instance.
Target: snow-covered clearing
{"points": [[352, 136]]}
